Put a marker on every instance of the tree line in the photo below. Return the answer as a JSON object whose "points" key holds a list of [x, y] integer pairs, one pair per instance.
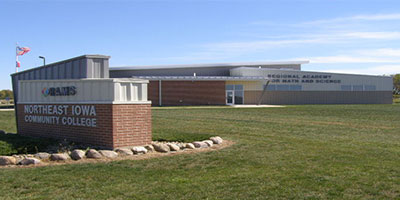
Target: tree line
{"points": [[396, 84], [6, 94]]}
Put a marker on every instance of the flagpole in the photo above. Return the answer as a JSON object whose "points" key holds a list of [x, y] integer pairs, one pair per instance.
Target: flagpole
{"points": [[16, 57]]}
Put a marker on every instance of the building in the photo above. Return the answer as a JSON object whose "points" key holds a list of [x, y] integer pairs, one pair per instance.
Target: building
{"points": [[255, 83], [226, 83]]}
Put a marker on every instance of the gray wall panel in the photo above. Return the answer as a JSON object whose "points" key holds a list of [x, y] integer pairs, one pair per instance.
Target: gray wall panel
{"points": [[61, 73], [319, 97], [68, 70]]}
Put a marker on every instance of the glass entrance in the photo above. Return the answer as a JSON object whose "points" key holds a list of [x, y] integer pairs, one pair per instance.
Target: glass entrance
{"points": [[229, 97], [234, 94]]}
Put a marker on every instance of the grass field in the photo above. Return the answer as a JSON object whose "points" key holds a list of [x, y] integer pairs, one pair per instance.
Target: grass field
{"points": [[296, 152]]}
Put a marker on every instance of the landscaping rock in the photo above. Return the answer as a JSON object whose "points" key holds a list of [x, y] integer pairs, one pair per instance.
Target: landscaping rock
{"points": [[181, 145], [29, 161], [77, 154], [149, 148], [7, 160], [208, 142], [190, 146], [108, 153], [163, 148], [59, 157], [124, 152], [139, 150], [92, 153], [217, 140], [42, 155], [173, 147], [200, 144]]}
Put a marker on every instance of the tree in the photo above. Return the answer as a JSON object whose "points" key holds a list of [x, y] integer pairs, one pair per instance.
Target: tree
{"points": [[6, 93], [396, 84]]}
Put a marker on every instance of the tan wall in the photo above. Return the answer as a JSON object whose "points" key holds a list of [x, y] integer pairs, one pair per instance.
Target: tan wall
{"points": [[318, 97]]}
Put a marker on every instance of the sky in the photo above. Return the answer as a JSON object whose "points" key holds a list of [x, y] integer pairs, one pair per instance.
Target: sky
{"points": [[344, 36]]}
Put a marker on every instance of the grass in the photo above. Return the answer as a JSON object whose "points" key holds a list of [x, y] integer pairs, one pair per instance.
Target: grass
{"points": [[296, 152]]}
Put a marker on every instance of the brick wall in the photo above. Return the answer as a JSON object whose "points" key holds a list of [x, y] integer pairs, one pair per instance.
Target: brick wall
{"points": [[179, 93], [118, 125]]}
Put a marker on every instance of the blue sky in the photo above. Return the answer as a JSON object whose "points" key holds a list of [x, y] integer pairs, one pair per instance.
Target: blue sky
{"points": [[335, 36]]}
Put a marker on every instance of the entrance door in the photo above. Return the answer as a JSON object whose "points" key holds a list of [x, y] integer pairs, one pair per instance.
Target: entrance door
{"points": [[230, 100]]}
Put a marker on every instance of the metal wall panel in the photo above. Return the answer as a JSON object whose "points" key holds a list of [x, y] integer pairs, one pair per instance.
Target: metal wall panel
{"points": [[381, 83], [318, 97], [87, 91]]}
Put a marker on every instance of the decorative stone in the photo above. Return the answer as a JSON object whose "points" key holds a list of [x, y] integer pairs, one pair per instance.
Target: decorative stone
{"points": [[92, 153], [59, 157], [208, 142], [190, 146], [200, 144], [217, 140], [163, 148], [77, 154], [181, 145], [29, 161], [124, 152], [139, 150], [42, 155], [149, 148], [173, 147], [7, 160], [108, 153]]}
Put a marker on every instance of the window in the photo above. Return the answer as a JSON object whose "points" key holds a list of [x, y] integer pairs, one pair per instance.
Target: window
{"points": [[229, 87], [295, 87], [238, 87], [369, 87], [235, 94], [239, 96], [271, 88], [282, 87], [346, 87], [358, 87]]}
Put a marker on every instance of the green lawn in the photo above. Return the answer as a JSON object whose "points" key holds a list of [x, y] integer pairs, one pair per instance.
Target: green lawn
{"points": [[296, 152]]}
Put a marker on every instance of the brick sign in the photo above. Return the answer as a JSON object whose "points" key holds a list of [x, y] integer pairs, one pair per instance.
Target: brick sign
{"points": [[110, 113]]}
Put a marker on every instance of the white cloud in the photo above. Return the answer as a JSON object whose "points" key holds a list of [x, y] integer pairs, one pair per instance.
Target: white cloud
{"points": [[383, 52], [373, 35], [349, 59], [372, 17]]}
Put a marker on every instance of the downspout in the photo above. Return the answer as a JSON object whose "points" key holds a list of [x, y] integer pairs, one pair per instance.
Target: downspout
{"points": [[263, 92]]}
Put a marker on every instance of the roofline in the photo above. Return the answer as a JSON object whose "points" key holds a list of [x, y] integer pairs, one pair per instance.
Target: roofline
{"points": [[205, 65], [202, 78], [67, 60]]}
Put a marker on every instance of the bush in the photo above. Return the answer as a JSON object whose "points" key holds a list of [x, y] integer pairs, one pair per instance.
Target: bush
{"points": [[11, 144]]}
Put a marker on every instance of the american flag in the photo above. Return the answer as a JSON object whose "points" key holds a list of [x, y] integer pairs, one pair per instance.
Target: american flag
{"points": [[19, 52], [22, 50]]}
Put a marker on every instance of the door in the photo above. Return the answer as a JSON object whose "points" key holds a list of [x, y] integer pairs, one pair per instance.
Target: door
{"points": [[230, 100]]}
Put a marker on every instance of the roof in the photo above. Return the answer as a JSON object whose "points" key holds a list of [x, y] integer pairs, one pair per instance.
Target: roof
{"points": [[242, 64], [63, 61], [203, 78]]}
